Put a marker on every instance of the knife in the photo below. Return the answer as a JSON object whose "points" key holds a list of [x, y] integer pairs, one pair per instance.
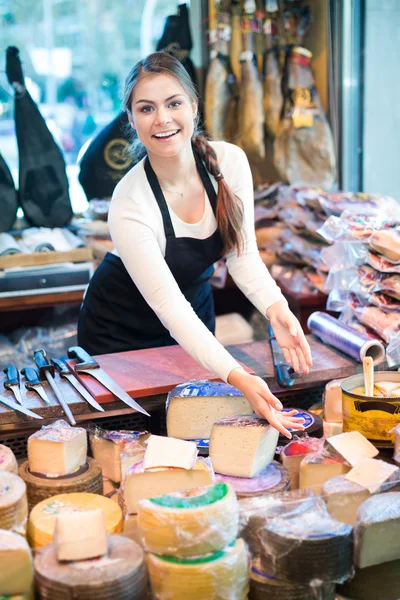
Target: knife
{"points": [[87, 364], [282, 369], [33, 383], [65, 372], [12, 382], [46, 370]]}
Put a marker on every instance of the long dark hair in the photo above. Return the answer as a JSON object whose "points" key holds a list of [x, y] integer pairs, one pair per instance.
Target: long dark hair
{"points": [[229, 212]]}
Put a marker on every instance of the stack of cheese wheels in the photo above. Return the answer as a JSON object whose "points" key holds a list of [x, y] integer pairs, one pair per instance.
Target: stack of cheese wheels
{"points": [[121, 575], [16, 569], [13, 502], [190, 522], [307, 547], [380, 581], [263, 586], [41, 522], [8, 462], [223, 574], [58, 464]]}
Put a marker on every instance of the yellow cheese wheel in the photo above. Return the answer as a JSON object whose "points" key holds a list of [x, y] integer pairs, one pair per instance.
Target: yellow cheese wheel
{"points": [[211, 577], [13, 502], [189, 522], [42, 518]]}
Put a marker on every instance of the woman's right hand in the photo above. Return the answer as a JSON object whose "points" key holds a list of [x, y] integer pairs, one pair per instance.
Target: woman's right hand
{"points": [[264, 403]]}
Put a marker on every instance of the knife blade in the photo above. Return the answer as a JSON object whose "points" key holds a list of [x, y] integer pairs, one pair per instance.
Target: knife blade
{"points": [[12, 382], [47, 370], [19, 408], [63, 370], [282, 369], [87, 364], [33, 383]]}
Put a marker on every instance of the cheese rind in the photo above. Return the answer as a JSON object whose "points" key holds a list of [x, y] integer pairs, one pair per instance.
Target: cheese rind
{"points": [[16, 569], [332, 402], [57, 449], [190, 522], [315, 469], [109, 446], [241, 446], [140, 484], [8, 462], [377, 531], [220, 575], [193, 407], [163, 452], [80, 535]]}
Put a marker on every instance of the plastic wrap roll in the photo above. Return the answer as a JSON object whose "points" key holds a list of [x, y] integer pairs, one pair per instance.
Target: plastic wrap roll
{"points": [[345, 338]]}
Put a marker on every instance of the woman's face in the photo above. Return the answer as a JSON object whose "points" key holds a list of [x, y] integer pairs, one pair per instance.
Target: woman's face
{"points": [[162, 114]]}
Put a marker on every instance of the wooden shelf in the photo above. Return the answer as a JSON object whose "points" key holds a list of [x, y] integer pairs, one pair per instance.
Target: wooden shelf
{"points": [[19, 303]]}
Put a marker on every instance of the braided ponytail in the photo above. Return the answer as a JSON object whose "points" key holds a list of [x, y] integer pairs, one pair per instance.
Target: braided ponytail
{"points": [[229, 213]]}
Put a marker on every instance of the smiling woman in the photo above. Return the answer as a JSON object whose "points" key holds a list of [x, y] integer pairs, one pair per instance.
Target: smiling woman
{"points": [[185, 205]]}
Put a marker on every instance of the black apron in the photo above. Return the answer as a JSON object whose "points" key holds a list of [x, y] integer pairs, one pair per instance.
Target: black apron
{"points": [[115, 317]]}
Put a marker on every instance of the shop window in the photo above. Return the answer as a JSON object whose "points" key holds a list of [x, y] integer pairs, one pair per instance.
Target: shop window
{"points": [[76, 55]]}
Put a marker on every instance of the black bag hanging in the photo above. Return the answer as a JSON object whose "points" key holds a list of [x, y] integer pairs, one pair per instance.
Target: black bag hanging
{"points": [[8, 197], [43, 183], [106, 160]]}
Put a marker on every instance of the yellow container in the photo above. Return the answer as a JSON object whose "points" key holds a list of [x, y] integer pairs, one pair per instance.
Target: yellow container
{"points": [[373, 416]]}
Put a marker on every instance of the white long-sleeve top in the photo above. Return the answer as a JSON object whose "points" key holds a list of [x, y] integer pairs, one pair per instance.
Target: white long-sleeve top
{"points": [[137, 231]]}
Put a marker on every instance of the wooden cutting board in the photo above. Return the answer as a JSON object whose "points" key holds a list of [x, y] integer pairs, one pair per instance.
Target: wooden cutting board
{"points": [[145, 372]]}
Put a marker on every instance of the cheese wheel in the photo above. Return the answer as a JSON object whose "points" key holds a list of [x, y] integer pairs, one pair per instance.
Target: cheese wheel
{"points": [[120, 575], [8, 462], [39, 487], [271, 480], [265, 587], [214, 576], [377, 531], [42, 519], [380, 581], [331, 429], [190, 522], [193, 407], [16, 569], [255, 512], [13, 502], [307, 547]]}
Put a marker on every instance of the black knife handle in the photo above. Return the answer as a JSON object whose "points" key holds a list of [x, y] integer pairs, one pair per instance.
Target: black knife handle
{"points": [[283, 376], [42, 363], [60, 366], [31, 376], [84, 360], [12, 376]]}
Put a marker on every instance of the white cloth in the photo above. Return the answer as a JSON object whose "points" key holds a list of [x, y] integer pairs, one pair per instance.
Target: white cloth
{"points": [[137, 231]]}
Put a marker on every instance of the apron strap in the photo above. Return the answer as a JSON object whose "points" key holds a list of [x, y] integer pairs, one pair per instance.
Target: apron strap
{"points": [[159, 196]]}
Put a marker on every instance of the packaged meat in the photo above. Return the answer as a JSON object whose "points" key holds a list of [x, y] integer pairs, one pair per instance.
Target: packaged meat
{"points": [[385, 324], [387, 242], [385, 303], [382, 264], [302, 220], [300, 251]]}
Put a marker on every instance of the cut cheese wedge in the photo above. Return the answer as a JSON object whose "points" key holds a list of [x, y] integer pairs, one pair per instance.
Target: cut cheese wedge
{"points": [[193, 407], [387, 388], [343, 498], [220, 575], [331, 429], [8, 462], [80, 535], [162, 452], [352, 446], [16, 568], [293, 453], [42, 519], [57, 449], [190, 522], [242, 446], [315, 469], [109, 446], [377, 531], [140, 484]]}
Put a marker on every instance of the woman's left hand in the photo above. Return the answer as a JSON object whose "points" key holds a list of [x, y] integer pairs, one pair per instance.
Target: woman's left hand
{"points": [[290, 336]]}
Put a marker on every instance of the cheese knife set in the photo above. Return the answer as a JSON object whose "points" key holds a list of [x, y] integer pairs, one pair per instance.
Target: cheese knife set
{"points": [[45, 370]]}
